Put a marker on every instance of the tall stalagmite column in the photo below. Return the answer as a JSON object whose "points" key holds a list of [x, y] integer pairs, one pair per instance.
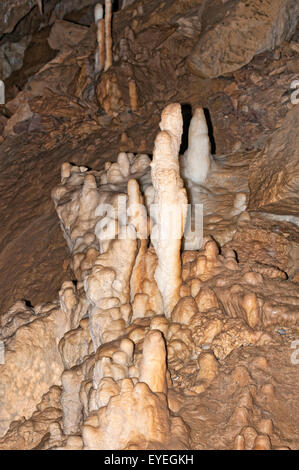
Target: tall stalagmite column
{"points": [[171, 206]]}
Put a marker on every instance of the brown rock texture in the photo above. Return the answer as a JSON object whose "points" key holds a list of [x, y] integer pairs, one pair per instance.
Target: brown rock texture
{"points": [[246, 29], [274, 174]]}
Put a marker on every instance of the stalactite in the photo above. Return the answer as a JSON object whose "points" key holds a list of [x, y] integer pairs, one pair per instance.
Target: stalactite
{"points": [[108, 34]]}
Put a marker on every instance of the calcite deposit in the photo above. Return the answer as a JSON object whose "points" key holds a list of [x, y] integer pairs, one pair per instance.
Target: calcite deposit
{"points": [[149, 244]]}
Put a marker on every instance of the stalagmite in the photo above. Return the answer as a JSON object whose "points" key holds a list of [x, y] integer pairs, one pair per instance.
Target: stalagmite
{"points": [[137, 211], [153, 366], [251, 308], [171, 206], [196, 161]]}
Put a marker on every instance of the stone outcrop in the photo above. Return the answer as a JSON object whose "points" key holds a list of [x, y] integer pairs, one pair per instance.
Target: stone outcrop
{"points": [[243, 30], [274, 174]]}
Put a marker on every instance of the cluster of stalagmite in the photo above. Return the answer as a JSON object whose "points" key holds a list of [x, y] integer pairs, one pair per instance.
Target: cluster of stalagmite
{"points": [[107, 363], [107, 232]]}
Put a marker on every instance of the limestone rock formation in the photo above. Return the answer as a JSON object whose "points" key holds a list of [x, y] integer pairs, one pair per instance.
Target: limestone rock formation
{"points": [[113, 335], [171, 201], [274, 174], [245, 30]]}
